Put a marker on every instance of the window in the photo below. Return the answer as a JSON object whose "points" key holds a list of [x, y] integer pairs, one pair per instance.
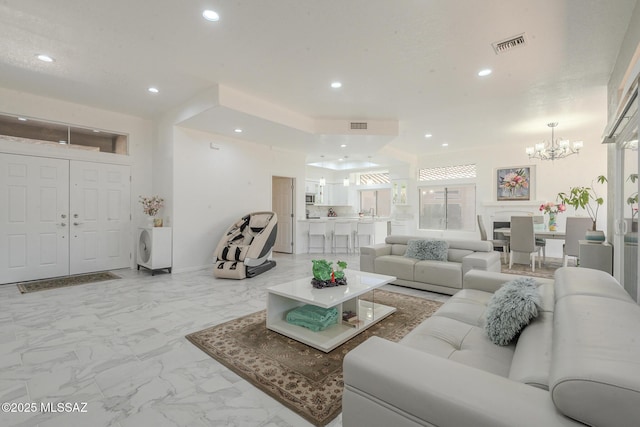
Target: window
{"points": [[451, 207], [447, 172], [34, 131], [372, 178], [378, 200]]}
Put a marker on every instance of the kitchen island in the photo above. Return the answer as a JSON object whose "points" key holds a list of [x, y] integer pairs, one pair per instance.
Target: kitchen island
{"points": [[380, 226]]}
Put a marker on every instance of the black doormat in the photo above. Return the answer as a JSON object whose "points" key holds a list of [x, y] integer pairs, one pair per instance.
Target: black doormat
{"points": [[61, 282]]}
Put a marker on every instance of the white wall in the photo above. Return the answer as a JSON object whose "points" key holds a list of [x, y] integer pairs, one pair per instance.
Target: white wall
{"points": [[140, 133], [213, 188]]}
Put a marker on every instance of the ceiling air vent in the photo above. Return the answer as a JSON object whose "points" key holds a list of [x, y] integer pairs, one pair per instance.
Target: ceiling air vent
{"points": [[508, 44], [359, 125]]}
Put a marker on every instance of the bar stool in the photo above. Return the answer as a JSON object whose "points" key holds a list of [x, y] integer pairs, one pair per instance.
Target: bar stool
{"points": [[365, 229], [317, 229], [341, 229]]}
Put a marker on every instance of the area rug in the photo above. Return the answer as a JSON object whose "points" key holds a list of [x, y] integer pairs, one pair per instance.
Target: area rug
{"points": [[306, 380], [61, 282], [547, 270]]}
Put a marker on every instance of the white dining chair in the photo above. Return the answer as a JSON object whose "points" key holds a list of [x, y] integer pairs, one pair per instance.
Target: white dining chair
{"points": [[523, 240], [576, 228]]}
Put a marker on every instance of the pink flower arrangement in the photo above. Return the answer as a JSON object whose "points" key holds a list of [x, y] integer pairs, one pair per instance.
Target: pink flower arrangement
{"points": [[550, 207]]}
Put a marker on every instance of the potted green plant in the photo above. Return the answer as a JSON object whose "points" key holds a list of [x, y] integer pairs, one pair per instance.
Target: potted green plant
{"points": [[584, 198]]}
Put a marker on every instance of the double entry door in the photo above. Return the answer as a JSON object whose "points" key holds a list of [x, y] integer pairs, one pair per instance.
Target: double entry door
{"points": [[62, 217]]}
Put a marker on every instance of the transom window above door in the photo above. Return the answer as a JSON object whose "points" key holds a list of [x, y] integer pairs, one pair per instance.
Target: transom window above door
{"points": [[22, 129]]}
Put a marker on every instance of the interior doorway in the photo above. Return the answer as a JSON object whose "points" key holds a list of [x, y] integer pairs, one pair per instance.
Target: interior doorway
{"points": [[283, 203]]}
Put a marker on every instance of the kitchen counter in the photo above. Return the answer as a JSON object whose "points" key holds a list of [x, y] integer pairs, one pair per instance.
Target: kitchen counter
{"points": [[345, 218]]}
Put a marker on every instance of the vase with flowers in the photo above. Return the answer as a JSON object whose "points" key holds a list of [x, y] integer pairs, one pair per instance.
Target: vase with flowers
{"points": [[553, 210], [151, 206]]}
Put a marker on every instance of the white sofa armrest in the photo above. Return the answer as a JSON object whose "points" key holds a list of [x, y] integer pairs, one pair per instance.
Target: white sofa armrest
{"points": [[395, 382], [368, 254]]}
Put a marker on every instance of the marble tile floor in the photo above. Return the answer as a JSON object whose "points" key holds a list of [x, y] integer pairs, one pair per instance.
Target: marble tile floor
{"points": [[119, 346]]}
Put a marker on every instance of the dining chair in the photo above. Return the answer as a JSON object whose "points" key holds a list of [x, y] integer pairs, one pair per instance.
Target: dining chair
{"points": [[523, 240], [576, 228], [538, 225], [501, 244]]}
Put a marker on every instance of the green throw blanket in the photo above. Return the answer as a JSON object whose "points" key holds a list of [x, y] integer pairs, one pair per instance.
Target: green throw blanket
{"points": [[313, 317]]}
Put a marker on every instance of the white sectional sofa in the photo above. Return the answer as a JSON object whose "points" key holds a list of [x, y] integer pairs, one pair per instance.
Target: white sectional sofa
{"points": [[438, 276], [577, 363]]}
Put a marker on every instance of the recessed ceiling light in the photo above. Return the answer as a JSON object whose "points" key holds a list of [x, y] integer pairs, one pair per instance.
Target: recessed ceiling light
{"points": [[341, 160], [343, 145], [237, 130], [445, 145], [428, 135], [22, 119], [485, 72], [153, 90], [336, 85], [45, 58], [210, 15]]}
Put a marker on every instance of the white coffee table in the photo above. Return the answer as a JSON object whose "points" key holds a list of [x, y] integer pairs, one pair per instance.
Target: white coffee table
{"points": [[286, 296]]}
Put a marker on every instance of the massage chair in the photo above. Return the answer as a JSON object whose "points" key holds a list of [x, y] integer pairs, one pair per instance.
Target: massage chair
{"points": [[245, 249]]}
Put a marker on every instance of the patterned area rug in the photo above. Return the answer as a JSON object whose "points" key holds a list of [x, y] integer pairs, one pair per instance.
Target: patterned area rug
{"points": [[547, 270], [304, 379], [61, 282]]}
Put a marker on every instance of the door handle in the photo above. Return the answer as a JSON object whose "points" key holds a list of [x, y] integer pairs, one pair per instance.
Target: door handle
{"points": [[77, 223], [64, 224], [63, 216]]}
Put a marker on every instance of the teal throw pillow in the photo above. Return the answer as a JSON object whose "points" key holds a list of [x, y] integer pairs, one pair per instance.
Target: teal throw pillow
{"points": [[511, 308]]}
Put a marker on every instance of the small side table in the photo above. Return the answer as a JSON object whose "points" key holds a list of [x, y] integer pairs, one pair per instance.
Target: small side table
{"points": [[596, 255]]}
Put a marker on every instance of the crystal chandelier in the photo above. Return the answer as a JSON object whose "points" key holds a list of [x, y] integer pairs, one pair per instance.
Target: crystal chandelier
{"points": [[554, 149]]}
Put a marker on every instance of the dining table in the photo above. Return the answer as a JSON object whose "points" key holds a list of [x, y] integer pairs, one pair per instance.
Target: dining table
{"points": [[540, 234]]}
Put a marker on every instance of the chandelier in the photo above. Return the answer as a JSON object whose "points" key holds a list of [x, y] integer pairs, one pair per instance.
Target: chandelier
{"points": [[554, 149]]}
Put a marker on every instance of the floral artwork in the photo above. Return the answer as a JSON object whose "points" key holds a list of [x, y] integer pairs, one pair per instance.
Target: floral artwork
{"points": [[514, 183], [151, 205]]}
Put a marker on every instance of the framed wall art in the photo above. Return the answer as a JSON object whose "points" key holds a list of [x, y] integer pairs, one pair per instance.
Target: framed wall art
{"points": [[514, 183]]}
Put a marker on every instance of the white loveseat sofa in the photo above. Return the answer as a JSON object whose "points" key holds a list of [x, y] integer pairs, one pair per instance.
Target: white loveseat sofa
{"points": [[438, 276], [577, 363]]}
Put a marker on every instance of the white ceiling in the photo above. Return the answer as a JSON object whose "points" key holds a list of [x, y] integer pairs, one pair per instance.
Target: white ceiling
{"points": [[410, 61]]}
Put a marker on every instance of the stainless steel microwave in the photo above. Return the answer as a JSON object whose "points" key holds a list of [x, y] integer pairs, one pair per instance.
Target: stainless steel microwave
{"points": [[310, 198]]}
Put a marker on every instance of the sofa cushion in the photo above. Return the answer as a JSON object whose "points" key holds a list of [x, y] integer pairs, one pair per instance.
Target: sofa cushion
{"points": [[416, 249], [511, 308], [456, 255], [394, 265], [398, 249], [460, 342], [441, 273]]}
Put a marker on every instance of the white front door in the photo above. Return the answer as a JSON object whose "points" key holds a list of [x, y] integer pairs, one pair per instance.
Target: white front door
{"points": [[100, 216], [34, 218], [282, 205]]}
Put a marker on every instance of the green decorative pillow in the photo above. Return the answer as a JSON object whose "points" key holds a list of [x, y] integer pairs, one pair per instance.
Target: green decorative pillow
{"points": [[511, 308], [426, 249]]}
